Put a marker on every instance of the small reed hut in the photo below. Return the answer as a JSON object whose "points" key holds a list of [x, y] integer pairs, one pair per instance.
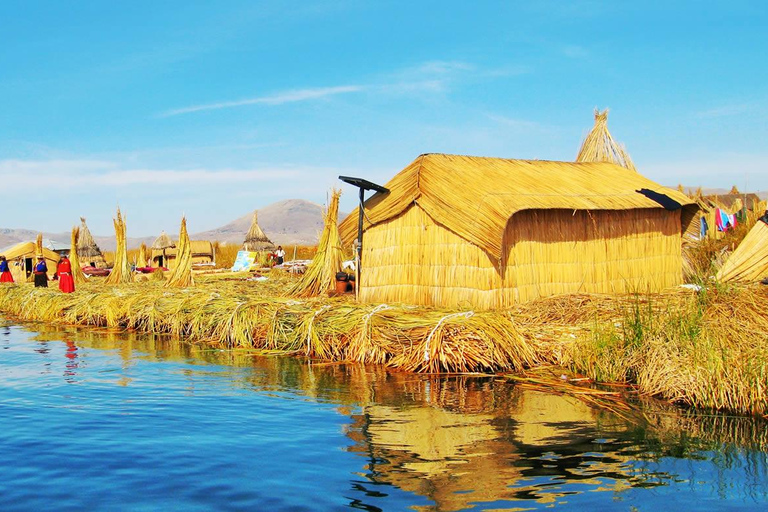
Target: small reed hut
{"points": [[486, 233], [201, 254], [256, 240], [88, 251], [23, 256]]}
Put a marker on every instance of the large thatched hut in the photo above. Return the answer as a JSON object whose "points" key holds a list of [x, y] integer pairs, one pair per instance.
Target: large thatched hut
{"points": [[486, 233], [23, 256]]}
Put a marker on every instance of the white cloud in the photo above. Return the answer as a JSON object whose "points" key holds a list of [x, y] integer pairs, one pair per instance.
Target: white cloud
{"points": [[281, 98], [725, 111], [90, 175]]}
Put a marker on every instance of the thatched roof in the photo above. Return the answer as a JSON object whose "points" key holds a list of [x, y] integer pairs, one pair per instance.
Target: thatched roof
{"points": [[163, 242], [28, 250], [728, 201], [749, 262], [197, 247], [86, 245], [475, 197], [256, 240], [599, 145]]}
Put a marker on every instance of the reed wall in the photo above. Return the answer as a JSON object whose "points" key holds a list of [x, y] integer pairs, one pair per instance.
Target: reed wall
{"points": [[413, 259]]}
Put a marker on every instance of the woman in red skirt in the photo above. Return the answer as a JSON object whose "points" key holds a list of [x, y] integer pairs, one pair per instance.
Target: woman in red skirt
{"points": [[5, 272], [64, 269]]}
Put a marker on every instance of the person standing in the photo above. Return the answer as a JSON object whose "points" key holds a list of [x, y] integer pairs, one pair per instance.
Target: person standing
{"points": [[280, 255], [41, 272], [66, 283], [5, 272]]}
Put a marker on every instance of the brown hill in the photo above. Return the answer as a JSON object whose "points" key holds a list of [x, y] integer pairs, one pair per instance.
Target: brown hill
{"points": [[288, 222]]}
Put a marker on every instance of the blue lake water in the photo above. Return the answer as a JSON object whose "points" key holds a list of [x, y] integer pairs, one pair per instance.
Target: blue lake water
{"points": [[96, 420]]}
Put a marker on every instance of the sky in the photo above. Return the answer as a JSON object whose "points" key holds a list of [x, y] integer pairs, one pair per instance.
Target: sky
{"points": [[213, 109]]}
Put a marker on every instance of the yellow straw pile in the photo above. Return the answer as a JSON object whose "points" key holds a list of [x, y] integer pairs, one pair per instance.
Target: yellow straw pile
{"points": [[121, 271], [74, 259], [599, 146], [141, 260], [321, 272], [749, 262], [182, 272]]}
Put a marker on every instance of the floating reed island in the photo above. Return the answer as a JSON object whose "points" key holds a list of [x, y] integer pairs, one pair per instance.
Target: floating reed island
{"points": [[479, 265]]}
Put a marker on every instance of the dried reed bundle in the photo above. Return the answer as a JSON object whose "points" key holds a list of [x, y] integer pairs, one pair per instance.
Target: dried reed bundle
{"points": [[599, 145], [141, 259], [320, 275], [121, 270], [74, 259], [39, 245], [181, 277]]}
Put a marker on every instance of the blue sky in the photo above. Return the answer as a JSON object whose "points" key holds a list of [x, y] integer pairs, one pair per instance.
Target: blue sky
{"points": [[213, 109]]}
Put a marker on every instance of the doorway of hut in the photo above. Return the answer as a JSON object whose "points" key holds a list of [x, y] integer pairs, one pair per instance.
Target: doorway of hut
{"points": [[160, 262], [27, 266]]}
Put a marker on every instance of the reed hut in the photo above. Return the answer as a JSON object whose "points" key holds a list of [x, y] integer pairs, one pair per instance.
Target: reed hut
{"points": [[88, 251], [159, 247], [202, 254], [486, 233], [23, 256], [256, 240]]}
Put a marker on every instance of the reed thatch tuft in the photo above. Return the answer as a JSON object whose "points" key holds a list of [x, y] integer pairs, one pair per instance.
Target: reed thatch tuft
{"points": [[321, 272], [256, 240], [599, 145], [121, 270], [74, 259], [181, 277]]}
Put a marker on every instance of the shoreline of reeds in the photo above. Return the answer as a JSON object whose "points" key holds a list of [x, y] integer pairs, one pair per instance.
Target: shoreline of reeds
{"points": [[704, 350]]}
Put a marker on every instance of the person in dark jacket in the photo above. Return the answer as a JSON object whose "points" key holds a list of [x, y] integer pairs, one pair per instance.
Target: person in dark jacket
{"points": [[41, 272]]}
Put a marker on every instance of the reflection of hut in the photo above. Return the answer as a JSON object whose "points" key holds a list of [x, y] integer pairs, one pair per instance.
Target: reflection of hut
{"points": [[488, 232], [202, 253], [159, 247], [256, 240], [22, 257], [87, 250]]}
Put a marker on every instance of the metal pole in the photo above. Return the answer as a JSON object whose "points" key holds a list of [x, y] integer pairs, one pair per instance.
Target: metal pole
{"points": [[359, 242]]}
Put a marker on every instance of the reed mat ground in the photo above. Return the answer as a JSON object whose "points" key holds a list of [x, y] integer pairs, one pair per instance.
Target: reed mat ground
{"points": [[703, 349]]}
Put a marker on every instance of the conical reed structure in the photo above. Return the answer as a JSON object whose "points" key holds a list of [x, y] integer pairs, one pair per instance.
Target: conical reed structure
{"points": [[121, 270], [141, 258], [599, 145], [256, 240], [74, 259], [321, 272], [181, 277], [39, 245], [87, 249], [749, 262]]}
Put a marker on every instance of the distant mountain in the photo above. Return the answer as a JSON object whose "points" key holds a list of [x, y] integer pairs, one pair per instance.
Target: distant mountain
{"points": [[288, 222]]}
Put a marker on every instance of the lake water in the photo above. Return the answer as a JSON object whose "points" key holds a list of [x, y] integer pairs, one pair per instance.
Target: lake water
{"points": [[113, 421]]}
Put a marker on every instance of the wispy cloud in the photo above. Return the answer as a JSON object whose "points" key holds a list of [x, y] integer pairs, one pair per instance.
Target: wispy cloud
{"points": [[725, 111], [281, 98], [90, 175]]}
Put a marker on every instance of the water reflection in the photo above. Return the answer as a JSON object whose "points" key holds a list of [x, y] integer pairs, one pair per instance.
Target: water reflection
{"points": [[464, 442]]}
